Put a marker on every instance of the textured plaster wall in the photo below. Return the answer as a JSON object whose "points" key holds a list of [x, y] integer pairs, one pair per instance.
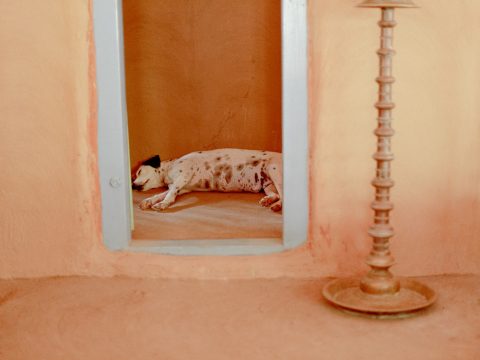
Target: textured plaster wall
{"points": [[202, 75], [50, 213]]}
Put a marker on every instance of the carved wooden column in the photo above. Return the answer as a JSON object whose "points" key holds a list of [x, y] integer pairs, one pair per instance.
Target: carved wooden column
{"points": [[379, 292]]}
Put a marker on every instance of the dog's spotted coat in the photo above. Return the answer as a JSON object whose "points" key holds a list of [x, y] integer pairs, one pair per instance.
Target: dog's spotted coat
{"points": [[226, 170]]}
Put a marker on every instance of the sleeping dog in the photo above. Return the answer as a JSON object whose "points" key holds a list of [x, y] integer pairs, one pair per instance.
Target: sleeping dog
{"points": [[226, 170]]}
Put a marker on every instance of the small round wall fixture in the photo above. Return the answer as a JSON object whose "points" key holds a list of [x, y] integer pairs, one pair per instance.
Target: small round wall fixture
{"points": [[380, 292]]}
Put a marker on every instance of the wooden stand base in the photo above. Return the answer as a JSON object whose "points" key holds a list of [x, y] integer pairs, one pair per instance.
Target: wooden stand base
{"points": [[412, 297]]}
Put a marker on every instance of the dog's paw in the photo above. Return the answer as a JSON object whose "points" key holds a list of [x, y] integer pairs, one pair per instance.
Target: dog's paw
{"points": [[160, 206], [146, 204], [277, 206], [266, 201]]}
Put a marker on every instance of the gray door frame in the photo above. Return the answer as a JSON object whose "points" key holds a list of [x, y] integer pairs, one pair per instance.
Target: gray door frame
{"points": [[113, 141]]}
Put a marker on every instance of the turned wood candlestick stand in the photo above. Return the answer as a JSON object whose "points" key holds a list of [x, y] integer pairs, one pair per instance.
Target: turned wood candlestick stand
{"points": [[379, 292]]}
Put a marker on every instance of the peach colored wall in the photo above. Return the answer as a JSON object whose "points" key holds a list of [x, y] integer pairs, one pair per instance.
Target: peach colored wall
{"points": [[50, 213], [202, 75]]}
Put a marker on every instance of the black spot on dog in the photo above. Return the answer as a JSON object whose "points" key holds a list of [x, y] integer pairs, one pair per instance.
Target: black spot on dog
{"points": [[198, 169], [240, 167], [207, 184], [255, 163], [274, 168], [199, 152], [263, 176], [181, 161], [217, 173], [191, 168], [180, 170], [228, 177], [207, 166], [154, 161], [253, 156], [256, 177], [218, 158]]}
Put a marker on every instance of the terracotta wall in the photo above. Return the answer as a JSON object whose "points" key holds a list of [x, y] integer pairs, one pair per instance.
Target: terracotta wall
{"points": [[201, 75], [50, 213]]}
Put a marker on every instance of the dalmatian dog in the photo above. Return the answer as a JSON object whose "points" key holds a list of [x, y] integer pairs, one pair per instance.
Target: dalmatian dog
{"points": [[225, 170]]}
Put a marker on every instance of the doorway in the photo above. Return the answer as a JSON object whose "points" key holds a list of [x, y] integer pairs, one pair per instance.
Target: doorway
{"points": [[114, 160]]}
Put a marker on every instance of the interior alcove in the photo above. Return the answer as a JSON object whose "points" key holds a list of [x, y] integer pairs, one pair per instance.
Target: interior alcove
{"points": [[203, 75]]}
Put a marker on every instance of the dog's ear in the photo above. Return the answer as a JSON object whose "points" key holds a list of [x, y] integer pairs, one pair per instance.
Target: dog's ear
{"points": [[154, 161]]}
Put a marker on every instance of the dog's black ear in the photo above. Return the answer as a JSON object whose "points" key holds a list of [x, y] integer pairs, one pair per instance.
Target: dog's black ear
{"points": [[154, 161]]}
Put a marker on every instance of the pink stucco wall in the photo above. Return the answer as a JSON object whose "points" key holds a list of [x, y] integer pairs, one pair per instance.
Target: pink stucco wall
{"points": [[50, 209]]}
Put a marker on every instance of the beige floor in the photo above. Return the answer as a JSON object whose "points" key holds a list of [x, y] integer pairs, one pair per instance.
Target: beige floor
{"points": [[140, 319], [209, 215]]}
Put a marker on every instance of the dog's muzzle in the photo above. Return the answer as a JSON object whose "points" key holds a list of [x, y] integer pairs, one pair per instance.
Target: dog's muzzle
{"points": [[137, 187]]}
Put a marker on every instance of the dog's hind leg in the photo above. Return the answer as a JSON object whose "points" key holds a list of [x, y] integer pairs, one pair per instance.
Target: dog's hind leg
{"points": [[274, 170], [271, 195]]}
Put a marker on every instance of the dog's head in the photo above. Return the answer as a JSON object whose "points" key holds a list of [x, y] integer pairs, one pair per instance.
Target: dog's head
{"points": [[146, 175]]}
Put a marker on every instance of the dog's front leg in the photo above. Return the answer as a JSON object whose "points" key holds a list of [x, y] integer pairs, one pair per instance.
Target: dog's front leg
{"points": [[172, 193], [152, 200]]}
